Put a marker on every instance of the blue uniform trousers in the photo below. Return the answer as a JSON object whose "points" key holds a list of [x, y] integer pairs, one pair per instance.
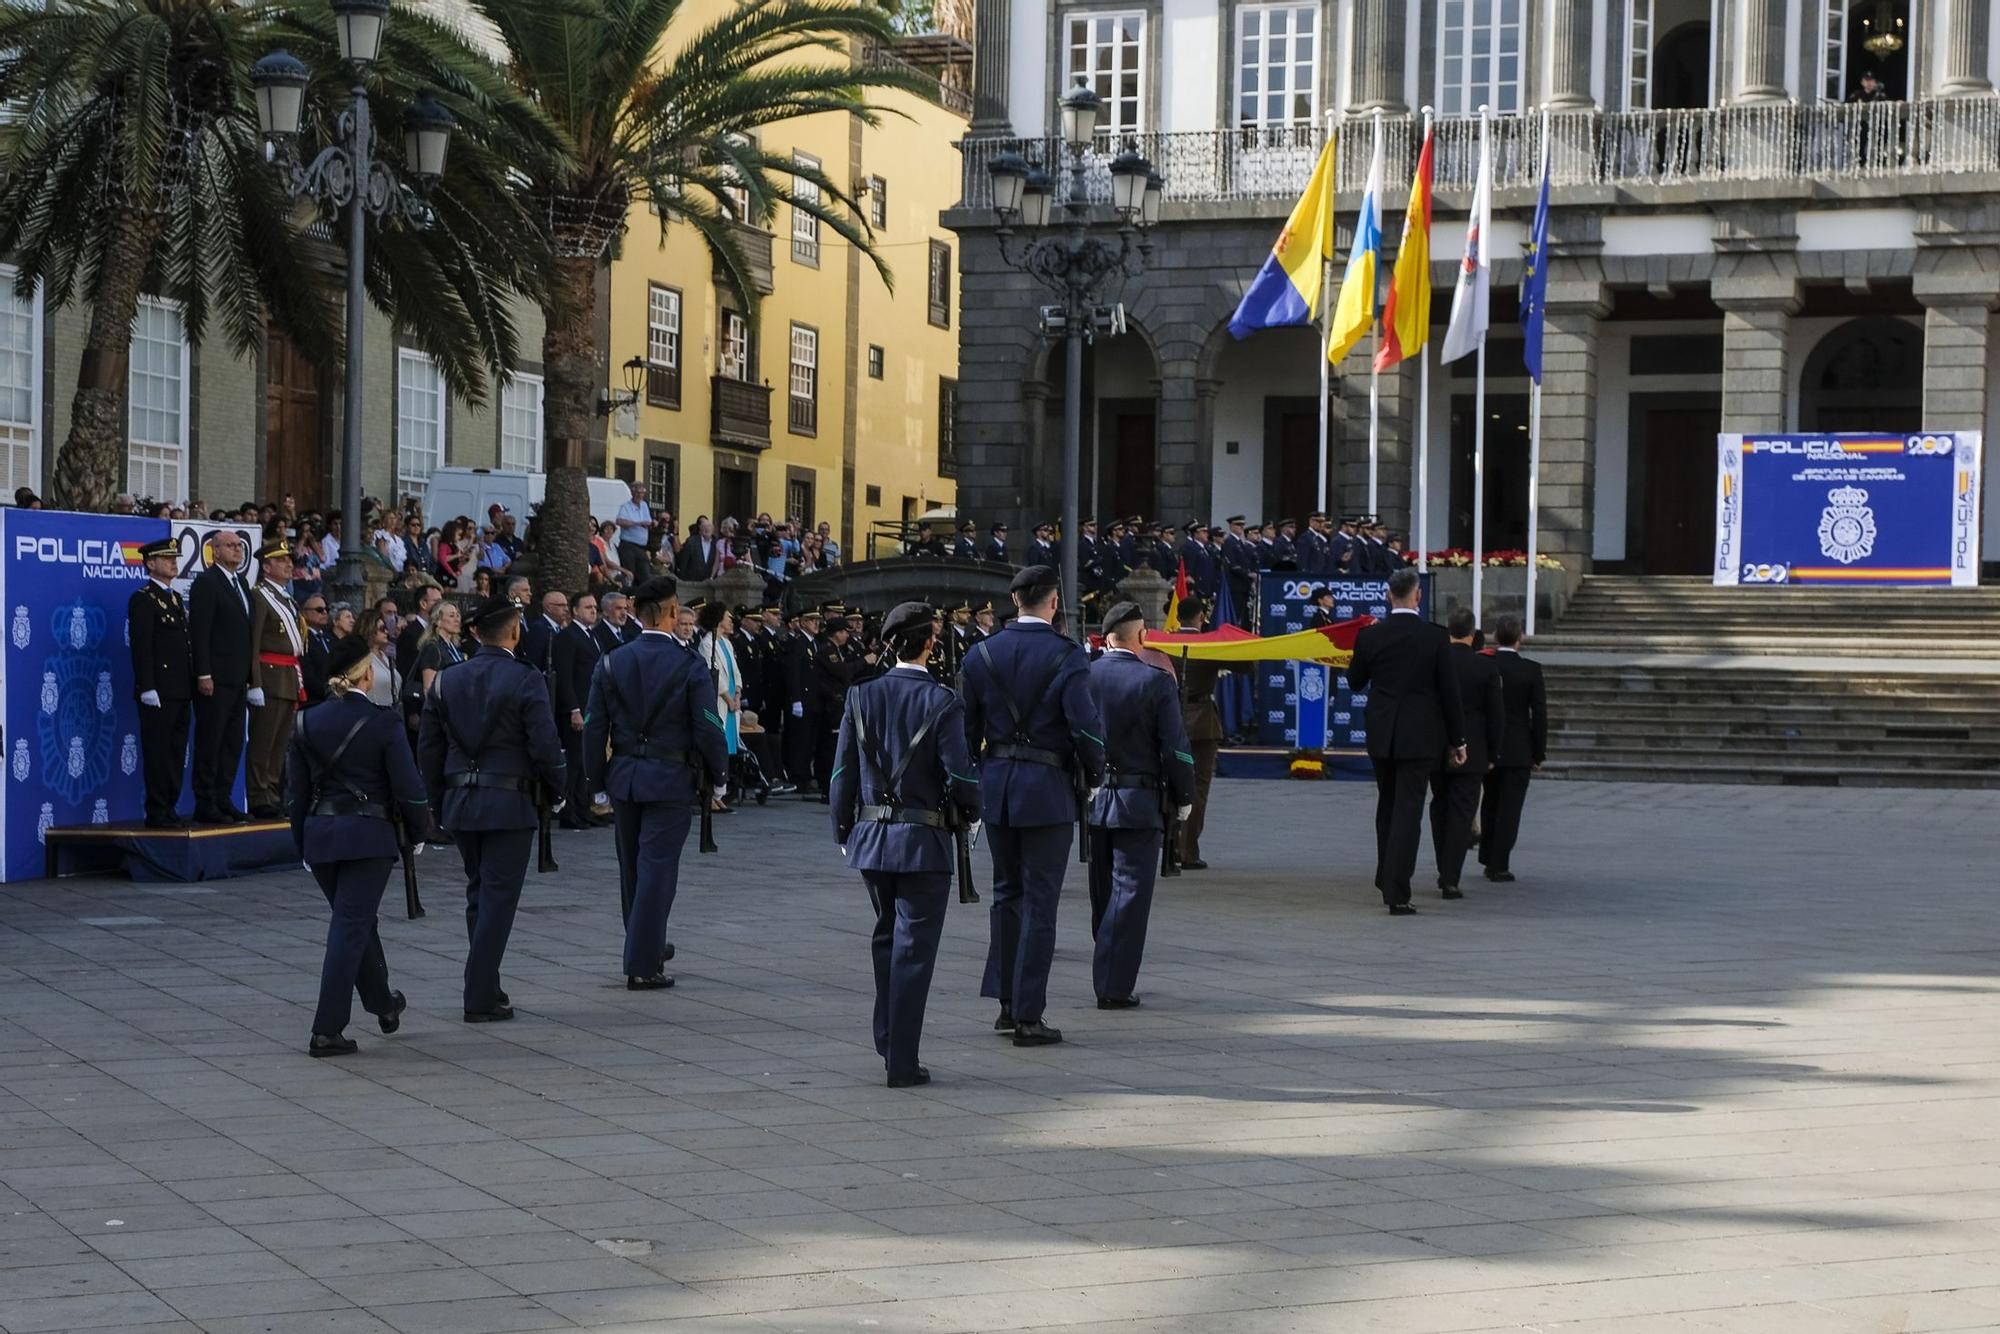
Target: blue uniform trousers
{"points": [[1028, 865], [650, 837], [354, 960], [1123, 864], [496, 862], [909, 922]]}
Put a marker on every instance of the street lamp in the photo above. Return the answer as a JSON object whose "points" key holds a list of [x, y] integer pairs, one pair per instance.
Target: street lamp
{"points": [[346, 174], [609, 402], [1075, 265]]}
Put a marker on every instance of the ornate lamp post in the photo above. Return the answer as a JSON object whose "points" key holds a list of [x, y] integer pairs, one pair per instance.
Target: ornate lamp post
{"points": [[346, 174], [1074, 264]]}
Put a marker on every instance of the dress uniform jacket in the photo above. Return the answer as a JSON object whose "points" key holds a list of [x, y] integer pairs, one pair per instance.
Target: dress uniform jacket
{"points": [[996, 549], [1045, 676], [498, 707], [375, 779], [279, 673], [162, 662], [1284, 554], [962, 549], [883, 716]]}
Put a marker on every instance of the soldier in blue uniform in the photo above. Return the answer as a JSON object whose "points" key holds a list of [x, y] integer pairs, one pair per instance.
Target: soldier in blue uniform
{"points": [[1030, 721], [900, 760], [348, 772], [489, 754], [163, 678], [652, 708], [1147, 764]]}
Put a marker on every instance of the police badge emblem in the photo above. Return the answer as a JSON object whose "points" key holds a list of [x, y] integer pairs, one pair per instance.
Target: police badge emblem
{"points": [[22, 631], [1847, 525], [1312, 685]]}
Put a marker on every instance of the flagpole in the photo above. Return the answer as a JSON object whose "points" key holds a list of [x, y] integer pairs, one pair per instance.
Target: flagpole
{"points": [[1421, 527], [1374, 376], [1479, 482], [1326, 323], [1535, 428]]}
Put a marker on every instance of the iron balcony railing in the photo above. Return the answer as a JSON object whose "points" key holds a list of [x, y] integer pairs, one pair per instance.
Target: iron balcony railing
{"points": [[1629, 149]]}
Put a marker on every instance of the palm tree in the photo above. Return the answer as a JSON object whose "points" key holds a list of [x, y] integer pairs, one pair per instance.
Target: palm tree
{"points": [[133, 163], [678, 131]]}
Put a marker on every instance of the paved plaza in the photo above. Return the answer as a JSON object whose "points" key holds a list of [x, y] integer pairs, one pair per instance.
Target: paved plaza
{"points": [[1724, 1059]]}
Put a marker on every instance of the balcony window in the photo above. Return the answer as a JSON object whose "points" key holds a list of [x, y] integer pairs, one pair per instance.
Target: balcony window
{"points": [[1106, 53], [1479, 57], [940, 285], [419, 420], [663, 346], [20, 387], [157, 411], [1277, 65], [804, 380], [878, 203], [521, 423], [805, 224], [736, 349]]}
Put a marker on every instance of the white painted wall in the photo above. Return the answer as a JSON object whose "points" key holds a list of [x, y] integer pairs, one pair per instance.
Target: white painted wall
{"points": [[1659, 234], [1191, 42], [1615, 386], [1857, 229], [1027, 81], [1274, 363]]}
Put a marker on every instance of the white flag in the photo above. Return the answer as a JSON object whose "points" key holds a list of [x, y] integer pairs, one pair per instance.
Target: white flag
{"points": [[1469, 300]]}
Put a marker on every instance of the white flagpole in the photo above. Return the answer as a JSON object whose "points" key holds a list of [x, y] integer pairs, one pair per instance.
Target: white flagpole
{"points": [[1374, 376], [1535, 427], [1479, 483], [1326, 323], [1420, 528]]}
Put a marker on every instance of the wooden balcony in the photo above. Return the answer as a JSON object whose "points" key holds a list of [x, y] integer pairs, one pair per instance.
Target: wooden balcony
{"points": [[755, 243], [739, 413]]}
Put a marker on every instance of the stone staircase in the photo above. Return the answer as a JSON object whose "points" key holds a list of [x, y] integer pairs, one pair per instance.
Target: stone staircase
{"points": [[1672, 680]]}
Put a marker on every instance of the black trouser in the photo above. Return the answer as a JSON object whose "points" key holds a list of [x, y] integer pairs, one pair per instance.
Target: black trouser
{"points": [[354, 960], [1399, 823], [576, 791], [1500, 816], [633, 556], [218, 748], [1454, 801], [800, 733], [163, 741], [496, 864], [826, 740], [909, 922]]}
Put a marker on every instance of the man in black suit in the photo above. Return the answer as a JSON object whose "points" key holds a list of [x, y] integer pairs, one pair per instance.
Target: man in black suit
{"points": [[1415, 721], [413, 630], [1455, 788], [573, 657], [219, 634], [697, 557], [1524, 744], [319, 648]]}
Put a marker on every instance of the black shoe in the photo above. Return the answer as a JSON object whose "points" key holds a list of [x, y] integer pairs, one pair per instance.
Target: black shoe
{"points": [[209, 815], [501, 997], [1451, 891], [1501, 877], [322, 1045], [1402, 910], [1005, 1023], [391, 1019], [1117, 1002], [657, 982], [668, 956], [922, 1075], [165, 822], [1196, 865], [266, 813], [1035, 1033], [230, 815], [500, 1012]]}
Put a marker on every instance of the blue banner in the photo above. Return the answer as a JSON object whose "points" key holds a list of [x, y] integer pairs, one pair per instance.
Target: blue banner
{"points": [[1294, 703], [71, 723], [1855, 510]]}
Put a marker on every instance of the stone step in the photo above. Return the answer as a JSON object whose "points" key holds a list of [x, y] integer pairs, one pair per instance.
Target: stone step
{"points": [[1805, 694], [1776, 756], [1758, 722], [1763, 645], [1905, 752], [1653, 771]]}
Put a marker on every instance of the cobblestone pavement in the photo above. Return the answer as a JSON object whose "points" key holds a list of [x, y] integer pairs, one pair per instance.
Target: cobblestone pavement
{"points": [[1724, 1059]]}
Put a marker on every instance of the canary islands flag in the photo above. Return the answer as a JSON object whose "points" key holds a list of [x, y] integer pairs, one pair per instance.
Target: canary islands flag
{"points": [[1286, 290], [1355, 314], [1406, 318]]}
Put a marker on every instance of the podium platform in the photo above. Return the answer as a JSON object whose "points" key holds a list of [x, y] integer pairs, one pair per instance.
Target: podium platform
{"points": [[1276, 762], [206, 852]]}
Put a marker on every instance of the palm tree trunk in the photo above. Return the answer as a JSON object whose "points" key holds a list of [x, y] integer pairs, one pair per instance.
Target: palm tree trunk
{"points": [[90, 469], [570, 379]]}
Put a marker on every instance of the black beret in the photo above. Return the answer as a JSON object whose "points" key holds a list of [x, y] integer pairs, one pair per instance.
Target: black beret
{"points": [[492, 612], [907, 616], [165, 546], [1120, 613], [657, 589], [345, 654], [274, 549], [1034, 577]]}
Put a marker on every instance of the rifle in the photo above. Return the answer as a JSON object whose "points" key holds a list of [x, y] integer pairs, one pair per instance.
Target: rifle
{"points": [[707, 813], [545, 841], [413, 904], [1170, 848], [961, 837], [1081, 785]]}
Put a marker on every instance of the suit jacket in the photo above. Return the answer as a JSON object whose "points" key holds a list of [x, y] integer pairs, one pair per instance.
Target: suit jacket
{"points": [[1479, 694], [537, 646], [1404, 664], [696, 558], [657, 691], [887, 713], [162, 659], [407, 640], [219, 628], [575, 658], [1143, 734], [272, 631], [1047, 678], [319, 647], [499, 706], [376, 765], [1524, 739]]}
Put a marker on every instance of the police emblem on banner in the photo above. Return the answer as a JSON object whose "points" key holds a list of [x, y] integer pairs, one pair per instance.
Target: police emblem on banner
{"points": [[1311, 685], [1847, 525], [77, 726], [21, 629]]}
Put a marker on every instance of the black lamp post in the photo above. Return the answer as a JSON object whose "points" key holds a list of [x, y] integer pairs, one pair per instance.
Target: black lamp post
{"points": [[609, 402], [347, 175], [1074, 264]]}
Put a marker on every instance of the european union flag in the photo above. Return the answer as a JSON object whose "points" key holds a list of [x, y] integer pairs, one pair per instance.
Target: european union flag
{"points": [[1535, 277]]}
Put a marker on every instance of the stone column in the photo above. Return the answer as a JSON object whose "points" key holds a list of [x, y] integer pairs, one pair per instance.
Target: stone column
{"points": [[1378, 56], [1569, 38], [1969, 26], [1181, 486], [993, 22], [1567, 496], [1759, 65], [1959, 286], [1756, 332]]}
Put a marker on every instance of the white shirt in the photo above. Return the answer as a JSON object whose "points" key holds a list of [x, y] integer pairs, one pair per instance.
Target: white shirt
{"points": [[398, 554], [911, 667], [1030, 620], [329, 550], [1404, 611], [633, 514]]}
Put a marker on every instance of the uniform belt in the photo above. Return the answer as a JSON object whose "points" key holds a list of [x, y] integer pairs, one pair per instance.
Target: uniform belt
{"points": [[902, 815], [1007, 750], [350, 806], [501, 782], [647, 751], [1132, 780], [277, 660]]}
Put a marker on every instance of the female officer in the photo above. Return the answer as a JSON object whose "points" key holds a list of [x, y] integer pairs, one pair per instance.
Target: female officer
{"points": [[350, 768]]}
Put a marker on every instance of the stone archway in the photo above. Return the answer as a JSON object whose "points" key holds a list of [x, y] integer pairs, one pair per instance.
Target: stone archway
{"points": [[1866, 375]]}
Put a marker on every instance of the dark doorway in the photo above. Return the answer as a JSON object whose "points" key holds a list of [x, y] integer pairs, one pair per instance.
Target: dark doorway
{"points": [[735, 492], [1887, 24], [1680, 67], [1506, 471], [1133, 460], [1670, 487], [292, 443], [1867, 375], [1291, 453]]}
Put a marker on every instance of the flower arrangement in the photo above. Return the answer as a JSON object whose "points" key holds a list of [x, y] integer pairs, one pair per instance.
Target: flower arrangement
{"points": [[1458, 558]]}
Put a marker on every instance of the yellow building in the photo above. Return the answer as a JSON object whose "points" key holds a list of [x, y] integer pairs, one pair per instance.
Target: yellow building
{"points": [[833, 402]]}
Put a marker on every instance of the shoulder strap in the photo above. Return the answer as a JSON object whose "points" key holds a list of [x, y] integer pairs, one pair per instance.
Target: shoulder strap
{"points": [[892, 789], [321, 772], [1014, 718], [472, 753], [617, 696]]}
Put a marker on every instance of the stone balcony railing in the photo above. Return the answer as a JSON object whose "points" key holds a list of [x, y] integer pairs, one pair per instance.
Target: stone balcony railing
{"points": [[1635, 150]]}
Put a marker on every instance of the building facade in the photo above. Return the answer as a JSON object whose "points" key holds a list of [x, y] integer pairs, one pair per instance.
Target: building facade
{"points": [[1743, 239]]}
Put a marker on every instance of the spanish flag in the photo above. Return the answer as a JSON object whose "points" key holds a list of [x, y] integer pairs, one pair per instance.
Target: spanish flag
{"points": [[1406, 319], [1355, 314], [1286, 290]]}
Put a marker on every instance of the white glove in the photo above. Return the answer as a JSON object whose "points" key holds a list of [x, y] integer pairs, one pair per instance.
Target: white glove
{"points": [[798, 709], [601, 798], [1094, 794], [418, 850], [256, 697], [1183, 812], [556, 806], [843, 850], [150, 698]]}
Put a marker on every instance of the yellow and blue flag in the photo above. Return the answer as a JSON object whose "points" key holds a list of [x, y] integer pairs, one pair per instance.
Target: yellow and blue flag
{"points": [[1286, 290], [1355, 314]]}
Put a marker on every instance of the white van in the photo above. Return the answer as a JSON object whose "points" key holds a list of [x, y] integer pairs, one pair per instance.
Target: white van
{"points": [[471, 491]]}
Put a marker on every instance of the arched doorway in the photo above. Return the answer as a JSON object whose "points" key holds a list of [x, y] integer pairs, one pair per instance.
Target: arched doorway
{"points": [[1866, 375], [1122, 434], [1681, 65]]}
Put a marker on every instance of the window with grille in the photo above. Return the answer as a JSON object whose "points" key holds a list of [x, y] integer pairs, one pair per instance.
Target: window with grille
{"points": [[1277, 65], [20, 388], [876, 359], [1479, 57], [663, 346], [157, 411], [521, 423], [419, 419], [947, 431], [799, 500], [737, 197], [661, 491], [940, 285], [735, 352], [878, 203], [1105, 52], [805, 225], [804, 416]]}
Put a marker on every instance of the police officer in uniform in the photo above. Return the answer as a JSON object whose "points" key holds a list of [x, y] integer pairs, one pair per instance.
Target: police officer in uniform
{"points": [[1320, 613], [348, 772], [163, 680], [278, 686], [1146, 763], [837, 663], [652, 710], [801, 712], [1030, 721], [900, 760], [489, 754]]}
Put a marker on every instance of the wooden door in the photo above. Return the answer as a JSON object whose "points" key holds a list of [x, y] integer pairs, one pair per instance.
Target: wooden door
{"points": [[294, 459], [1298, 467], [1677, 533], [1135, 461]]}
